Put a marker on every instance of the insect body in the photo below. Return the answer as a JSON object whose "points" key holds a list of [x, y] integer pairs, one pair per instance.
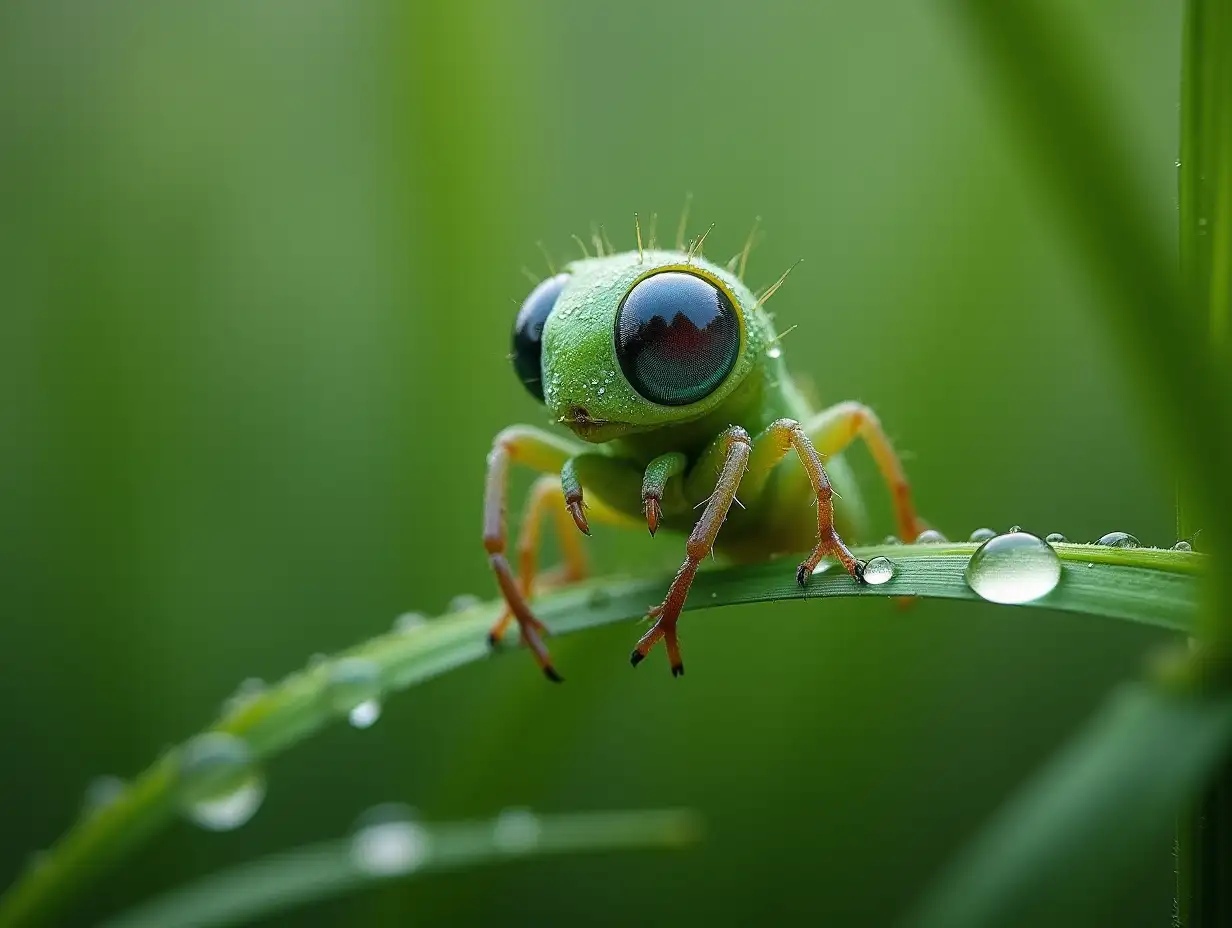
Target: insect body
{"points": [[666, 370]]}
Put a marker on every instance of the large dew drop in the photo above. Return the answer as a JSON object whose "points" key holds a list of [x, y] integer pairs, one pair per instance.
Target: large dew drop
{"points": [[1013, 568], [353, 688], [220, 787], [387, 841], [878, 570], [1118, 540]]}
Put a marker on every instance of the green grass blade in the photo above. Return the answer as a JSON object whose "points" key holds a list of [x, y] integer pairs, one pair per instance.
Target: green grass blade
{"points": [[1086, 824], [332, 868], [1157, 587]]}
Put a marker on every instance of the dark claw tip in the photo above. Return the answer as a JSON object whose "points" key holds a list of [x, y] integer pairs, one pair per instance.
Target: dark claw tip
{"points": [[802, 574], [493, 640], [551, 674], [636, 658], [858, 573], [678, 670]]}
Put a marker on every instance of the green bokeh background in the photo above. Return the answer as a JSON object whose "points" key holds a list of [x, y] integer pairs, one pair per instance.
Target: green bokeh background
{"points": [[258, 264]]}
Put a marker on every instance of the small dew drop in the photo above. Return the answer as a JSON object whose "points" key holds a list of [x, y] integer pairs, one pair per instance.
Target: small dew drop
{"points": [[891, 540], [100, 793], [220, 787], [353, 687], [463, 601], [516, 831], [365, 715], [775, 351], [246, 692], [1015, 529], [602, 390], [386, 841], [1056, 538], [982, 535], [1013, 568], [409, 621], [1182, 546], [1118, 540], [878, 570], [930, 536]]}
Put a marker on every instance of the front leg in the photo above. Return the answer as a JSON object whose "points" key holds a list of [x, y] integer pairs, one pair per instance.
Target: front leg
{"points": [[734, 445], [545, 453]]}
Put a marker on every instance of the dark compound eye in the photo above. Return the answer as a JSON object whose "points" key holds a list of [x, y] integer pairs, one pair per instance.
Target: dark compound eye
{"points": [[677, 337], [528, 333]]}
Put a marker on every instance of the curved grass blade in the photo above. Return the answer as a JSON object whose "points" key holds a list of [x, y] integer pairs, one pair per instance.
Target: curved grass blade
{"points": [[1143, 585], [1060, 850], [332, 868]]}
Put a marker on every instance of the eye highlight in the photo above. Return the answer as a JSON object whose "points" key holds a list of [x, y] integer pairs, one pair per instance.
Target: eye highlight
{"points": [[677, 337], [528, 333]]}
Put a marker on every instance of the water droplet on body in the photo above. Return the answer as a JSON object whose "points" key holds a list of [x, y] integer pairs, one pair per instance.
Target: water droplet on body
{"points": [[775, 351], [1014, 568], [220, 786], [878, 570], [386, 841], [1118, 540]]}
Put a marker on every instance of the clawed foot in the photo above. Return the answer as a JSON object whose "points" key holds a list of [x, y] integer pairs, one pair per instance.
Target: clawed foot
{"points": [[665, 628], [532, 633]]}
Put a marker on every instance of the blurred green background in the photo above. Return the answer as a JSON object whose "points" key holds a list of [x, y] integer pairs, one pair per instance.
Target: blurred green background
{"points": [[258, 264]]}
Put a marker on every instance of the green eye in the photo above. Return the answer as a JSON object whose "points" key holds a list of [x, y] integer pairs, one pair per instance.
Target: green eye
{"points": [[677, 337]]}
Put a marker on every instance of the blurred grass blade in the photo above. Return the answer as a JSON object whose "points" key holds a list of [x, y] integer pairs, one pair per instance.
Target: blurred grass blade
{"points": [[1058, 853], [1153, 586], [329, 869]]}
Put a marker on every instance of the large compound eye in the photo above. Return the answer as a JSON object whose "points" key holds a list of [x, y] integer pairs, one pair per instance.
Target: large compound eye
{"points": [[677, 337], [528, 333]]}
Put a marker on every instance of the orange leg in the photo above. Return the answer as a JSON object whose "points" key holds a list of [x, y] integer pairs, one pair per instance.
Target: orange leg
{"points": [[835, 428], [546, 453], [771, 446], [545, 496], [735, 446]]}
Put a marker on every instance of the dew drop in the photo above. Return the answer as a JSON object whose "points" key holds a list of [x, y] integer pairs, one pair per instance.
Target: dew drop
{"points": [[1056, 538], [220, 787], [1182, 546], [878, 570], [516, 831], [366, 714], [891, 540], [463, 601], [100, 793], [1013, 568], [409, 621], [386, 841], [930, 536], [1015, 529], [246, 692], [353, 687], [982, 535], [1118, 540], [775, 351]]}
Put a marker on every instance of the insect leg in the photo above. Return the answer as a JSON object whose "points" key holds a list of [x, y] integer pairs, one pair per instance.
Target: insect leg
{"points": [[654, 483], [735, 445], [833, 429], [546, 496], [770, 447], [543, 452]]}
